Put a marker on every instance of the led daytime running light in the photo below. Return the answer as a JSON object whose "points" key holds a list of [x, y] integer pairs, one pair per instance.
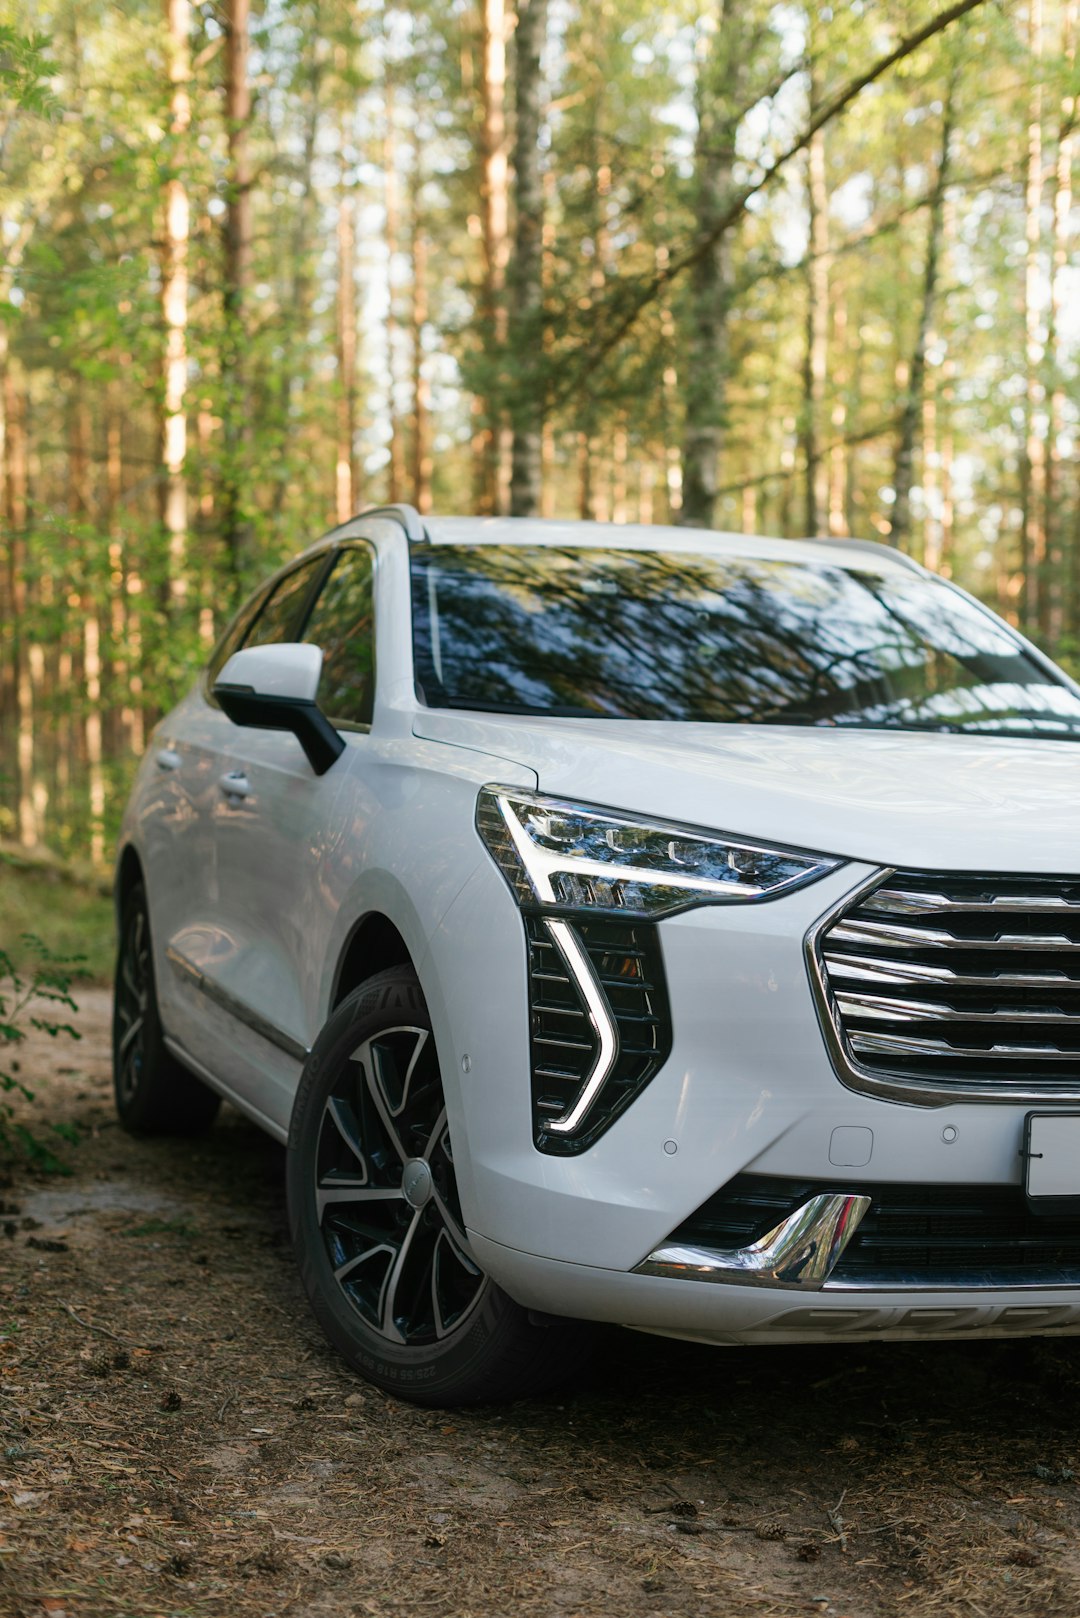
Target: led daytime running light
{"points": [[571, 855]]}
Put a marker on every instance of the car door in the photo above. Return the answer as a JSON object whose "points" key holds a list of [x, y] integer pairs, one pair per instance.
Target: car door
{"points": [[273, 833], [199, 925]]}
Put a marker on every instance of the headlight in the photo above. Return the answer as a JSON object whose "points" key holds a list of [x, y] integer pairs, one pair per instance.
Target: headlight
{"points": [[577, 857]]}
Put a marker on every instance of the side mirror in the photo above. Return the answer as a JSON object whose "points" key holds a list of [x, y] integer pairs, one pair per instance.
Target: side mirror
{"points": [[273, 688]]}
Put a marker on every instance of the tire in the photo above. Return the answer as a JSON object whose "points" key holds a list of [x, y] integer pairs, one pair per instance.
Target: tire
{"points": [[377, 1225], [155, 1094]]}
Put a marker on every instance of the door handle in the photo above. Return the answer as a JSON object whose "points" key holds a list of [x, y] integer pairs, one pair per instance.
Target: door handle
{"points": [[168, 759], [235, 784]]}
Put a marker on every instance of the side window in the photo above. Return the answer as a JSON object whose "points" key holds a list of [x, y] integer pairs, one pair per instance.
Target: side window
{"points": [[342, 622], [233, 638], [279, 619]]}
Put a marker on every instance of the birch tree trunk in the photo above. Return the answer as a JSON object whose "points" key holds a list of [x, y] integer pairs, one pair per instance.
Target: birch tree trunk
{"points": [[526, 268]]}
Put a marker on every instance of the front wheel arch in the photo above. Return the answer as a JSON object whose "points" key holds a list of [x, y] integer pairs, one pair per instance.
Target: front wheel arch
{"points": [[354, 1210]]}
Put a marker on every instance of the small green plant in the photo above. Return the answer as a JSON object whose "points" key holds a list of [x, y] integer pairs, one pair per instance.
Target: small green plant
{"points": [[32, 997]]}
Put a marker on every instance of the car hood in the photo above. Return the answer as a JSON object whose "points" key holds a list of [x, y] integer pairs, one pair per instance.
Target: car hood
{"points": [[934, 801]]}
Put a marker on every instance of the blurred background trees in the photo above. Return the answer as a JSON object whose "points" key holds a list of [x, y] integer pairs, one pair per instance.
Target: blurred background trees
{"points": [[779, 268]]}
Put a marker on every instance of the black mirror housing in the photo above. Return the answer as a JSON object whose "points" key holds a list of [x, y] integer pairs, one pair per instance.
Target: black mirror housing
{"points": [[306, 720]]}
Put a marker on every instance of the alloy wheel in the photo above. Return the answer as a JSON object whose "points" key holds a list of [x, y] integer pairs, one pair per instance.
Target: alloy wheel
{"points": [[386, 1194], [132, 998]]}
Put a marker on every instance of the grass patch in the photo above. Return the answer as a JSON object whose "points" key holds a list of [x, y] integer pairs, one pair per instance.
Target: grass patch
{"points": [[70, 916]]}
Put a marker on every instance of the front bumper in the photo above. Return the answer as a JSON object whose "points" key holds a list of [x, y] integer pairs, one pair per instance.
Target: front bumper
{"points": [[729, 1316], [749, 1087]]}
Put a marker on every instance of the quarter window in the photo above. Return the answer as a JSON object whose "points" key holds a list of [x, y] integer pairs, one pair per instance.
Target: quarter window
{"points": [[342, 623]]}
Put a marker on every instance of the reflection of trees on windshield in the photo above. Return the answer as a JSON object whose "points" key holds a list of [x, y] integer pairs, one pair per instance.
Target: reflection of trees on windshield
{"points": [[651, 635]]}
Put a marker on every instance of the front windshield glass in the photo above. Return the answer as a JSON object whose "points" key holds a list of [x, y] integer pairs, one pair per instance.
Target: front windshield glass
{"points": [[715, 639]]}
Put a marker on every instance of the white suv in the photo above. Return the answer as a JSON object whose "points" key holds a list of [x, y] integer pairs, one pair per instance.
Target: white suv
{"points": [[622, 924]]}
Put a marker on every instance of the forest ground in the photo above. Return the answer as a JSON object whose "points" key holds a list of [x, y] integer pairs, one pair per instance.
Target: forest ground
{"points": [[177, 1439]]}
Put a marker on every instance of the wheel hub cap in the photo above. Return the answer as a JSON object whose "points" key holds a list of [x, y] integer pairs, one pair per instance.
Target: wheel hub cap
{"points": [[416, 1182]]}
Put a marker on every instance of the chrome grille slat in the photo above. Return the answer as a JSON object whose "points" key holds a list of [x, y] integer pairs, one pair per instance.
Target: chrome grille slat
{"points": [[916, 974], [912, 937], [908, 1044], [897, 901], [961, 984], [882, 1008]]}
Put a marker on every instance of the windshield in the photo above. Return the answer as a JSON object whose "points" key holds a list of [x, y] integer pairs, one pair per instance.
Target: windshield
{"points": [[715, 639]]}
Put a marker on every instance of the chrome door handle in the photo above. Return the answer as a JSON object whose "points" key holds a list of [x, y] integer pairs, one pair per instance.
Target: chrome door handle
{"points": [[168, 759], [235, 784]]}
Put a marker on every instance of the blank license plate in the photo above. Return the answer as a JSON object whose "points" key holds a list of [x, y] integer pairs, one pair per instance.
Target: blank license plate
{"points": [[1052, 1154]]}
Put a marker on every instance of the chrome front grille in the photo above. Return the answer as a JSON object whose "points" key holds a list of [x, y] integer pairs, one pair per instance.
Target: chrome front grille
{"points": [[959, 985]]}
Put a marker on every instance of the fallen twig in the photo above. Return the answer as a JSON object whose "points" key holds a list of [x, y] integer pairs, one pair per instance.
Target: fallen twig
{"points": [[837, 1521]]}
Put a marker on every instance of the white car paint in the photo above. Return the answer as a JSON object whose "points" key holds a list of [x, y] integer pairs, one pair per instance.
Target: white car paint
{"points": [[258, 896]]}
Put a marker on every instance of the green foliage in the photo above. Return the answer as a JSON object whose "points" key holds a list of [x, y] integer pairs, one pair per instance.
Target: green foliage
{"points": [[36, 998], [68, 907], [25, 72], [345, 97]]}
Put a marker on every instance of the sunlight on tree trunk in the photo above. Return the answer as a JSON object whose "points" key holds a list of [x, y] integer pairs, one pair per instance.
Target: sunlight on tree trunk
{"points": [[174, 304], [236, 526], [1032, 450], [526, 268], [396, 464], [344, 480], [421, 387]]}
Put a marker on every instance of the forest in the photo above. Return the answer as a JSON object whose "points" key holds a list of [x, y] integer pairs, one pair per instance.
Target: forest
{"points": [[784, 268]]}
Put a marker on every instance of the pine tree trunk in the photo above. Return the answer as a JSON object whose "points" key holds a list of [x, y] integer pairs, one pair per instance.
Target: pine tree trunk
{"points": [[15, 504], [817, 333], [236, 526], [345, 475], [490, 440], [911, 406], [837, 462], [1032, 456], [396, 467], [421, 387], [174, 307], [720, 79], [526, 268], [1056, 348], [293, 375]]}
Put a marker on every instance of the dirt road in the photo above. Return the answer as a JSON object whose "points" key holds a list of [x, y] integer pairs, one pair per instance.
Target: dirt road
{"points": [[178, 1440]]}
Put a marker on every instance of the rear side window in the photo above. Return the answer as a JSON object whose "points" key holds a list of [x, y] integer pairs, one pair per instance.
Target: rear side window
{"points": [[342, 623]]}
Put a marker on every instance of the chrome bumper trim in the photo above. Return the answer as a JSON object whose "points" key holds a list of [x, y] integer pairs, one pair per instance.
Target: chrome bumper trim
{"points": [[801, 1251]]}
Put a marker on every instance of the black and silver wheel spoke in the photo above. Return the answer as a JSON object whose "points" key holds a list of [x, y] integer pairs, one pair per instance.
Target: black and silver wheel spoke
{"points": [[132, 995], [386, 1195]]}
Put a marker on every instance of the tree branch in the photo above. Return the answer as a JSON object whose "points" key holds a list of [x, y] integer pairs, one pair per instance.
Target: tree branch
{"points": [[829, 109]]}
